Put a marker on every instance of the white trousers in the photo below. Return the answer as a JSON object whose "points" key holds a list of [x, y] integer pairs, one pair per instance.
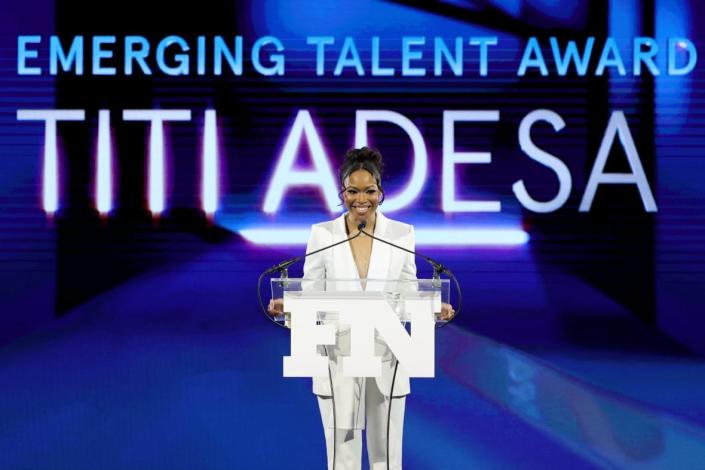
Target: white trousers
{"points": [[348, 442]]}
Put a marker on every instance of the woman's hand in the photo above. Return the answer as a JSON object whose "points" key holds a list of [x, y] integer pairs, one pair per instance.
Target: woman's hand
{"points": [[275, 307], [447, 312]]}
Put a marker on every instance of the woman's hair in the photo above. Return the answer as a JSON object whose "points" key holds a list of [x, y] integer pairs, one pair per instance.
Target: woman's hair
{"points": [[363, 158]]}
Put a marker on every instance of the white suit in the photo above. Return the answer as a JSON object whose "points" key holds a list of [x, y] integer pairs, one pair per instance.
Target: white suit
{"points": [[357, 398]]}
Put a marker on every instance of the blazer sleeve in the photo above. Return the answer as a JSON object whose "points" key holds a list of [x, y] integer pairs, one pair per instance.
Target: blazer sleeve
{"points": [[408, 270], [315, 266]]}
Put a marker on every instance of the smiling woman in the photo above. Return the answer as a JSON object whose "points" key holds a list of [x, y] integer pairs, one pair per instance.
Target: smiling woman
{"points": [[349, 405], [362, 192], [361, 179]]}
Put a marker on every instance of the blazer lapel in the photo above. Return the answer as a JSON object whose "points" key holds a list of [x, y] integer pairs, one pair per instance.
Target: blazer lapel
{"points": [[345, 267], [380, 256], [381, 252]]}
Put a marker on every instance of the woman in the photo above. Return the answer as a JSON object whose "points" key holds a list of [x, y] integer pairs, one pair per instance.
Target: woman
{"points": [[361, 403]]}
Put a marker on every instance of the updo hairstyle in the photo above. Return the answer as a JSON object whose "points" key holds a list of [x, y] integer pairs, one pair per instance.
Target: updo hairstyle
{"points": [[364, 158]]}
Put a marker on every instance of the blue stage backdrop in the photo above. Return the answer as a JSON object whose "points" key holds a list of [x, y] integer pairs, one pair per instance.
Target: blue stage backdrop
{"points": [[156, 157]]}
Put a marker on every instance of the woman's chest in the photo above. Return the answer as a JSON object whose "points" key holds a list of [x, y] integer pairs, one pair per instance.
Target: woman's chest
{"points": [[361, 249]]}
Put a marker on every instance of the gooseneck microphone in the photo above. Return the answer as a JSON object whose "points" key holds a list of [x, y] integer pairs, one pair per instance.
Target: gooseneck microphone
{"points": [[283, 267], [438, 269]]}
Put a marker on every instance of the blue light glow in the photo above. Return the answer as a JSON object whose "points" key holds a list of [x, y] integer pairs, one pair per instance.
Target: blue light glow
{"points": [[277, 67], [471, 237], [483, 43], [137, 50], [182, 59], [99, 53], [645, 56], [320, 42], [24, 53], [533, 57], [409, 54], [571, 55], [684, 46], [220, 52], [291, 236], [610, 57], [454, 60], [349, 57], [68, 60]]}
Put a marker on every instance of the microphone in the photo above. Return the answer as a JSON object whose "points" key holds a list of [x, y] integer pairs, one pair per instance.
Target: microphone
{"points": [[438, 269], [282, 266]]}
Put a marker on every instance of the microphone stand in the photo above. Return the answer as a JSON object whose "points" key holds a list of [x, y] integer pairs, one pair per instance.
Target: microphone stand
{"points": [[438, 269], [283, 270]]}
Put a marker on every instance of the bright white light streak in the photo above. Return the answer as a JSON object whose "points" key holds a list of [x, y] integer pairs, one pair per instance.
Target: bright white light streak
{"points": [[156, 169], [276, 236], [209, 194], [50, 171], [458, 237], [471, 237], [156, 149], [103, 177], [418, 175]]}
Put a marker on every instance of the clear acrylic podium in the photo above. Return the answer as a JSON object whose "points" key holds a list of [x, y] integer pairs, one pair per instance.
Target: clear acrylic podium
{"points": [[356, 309], [395, 292]]}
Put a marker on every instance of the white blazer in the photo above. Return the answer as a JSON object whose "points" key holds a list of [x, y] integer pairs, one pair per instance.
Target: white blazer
{"points": [[386, 262]]}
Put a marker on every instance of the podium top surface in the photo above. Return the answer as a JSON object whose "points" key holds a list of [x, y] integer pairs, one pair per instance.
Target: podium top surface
{"points": [[352, 295]]}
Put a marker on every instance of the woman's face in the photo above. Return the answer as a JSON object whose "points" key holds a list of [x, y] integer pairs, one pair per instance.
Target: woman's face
{"points": [[361, 195]]}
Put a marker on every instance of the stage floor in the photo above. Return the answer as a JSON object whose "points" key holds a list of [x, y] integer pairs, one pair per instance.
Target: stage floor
{"points": [[176, 369]]}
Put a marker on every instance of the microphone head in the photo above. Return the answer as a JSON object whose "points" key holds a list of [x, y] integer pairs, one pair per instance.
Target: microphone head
{"points": [[361, 226]]}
